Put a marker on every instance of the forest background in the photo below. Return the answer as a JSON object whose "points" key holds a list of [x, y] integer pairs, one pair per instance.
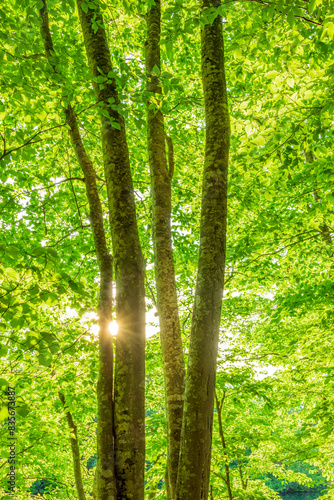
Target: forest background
{"points": [[273, 417]]}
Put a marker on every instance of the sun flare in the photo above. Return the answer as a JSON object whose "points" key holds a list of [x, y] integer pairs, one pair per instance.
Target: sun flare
{"points": [[113, 328]]}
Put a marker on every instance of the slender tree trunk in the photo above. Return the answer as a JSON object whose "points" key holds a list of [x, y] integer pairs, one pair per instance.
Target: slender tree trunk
{"points": [[243, 482], [170, 332], [129, 413], [75, 450], [219, 406], [195, 456], [105, 476]]}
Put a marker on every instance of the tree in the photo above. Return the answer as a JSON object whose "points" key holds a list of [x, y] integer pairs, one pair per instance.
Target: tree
{"points": [[120, 419], [167, 304], [56, 195]]}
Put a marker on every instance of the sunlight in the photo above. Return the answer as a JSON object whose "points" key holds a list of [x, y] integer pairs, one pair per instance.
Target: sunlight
{"points": [[113, 328]]}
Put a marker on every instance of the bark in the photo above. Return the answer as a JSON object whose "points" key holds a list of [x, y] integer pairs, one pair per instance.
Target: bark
{"points": [[94, 492], [105, 476], [105, 480], [195, 454], [227, 479], [243, 481], [75, 450], [129, 386], [167, 304]]}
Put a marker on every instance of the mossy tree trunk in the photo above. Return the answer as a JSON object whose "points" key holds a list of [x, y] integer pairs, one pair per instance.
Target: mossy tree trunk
{"points": [[105, 477], [161, 177], [129, 384], [195, 455], [105, 481]]}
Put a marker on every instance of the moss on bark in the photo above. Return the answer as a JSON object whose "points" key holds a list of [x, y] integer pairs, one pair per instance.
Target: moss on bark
{"points": [[129, 386], [105, 477], [194, 467], [171, 344]]}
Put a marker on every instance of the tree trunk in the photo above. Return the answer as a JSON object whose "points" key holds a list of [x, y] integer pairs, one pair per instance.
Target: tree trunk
{"points": [[75, 450], [195, 455], [105, 477], [227, 479], [129, 413], [105, 481], [170, 332]]}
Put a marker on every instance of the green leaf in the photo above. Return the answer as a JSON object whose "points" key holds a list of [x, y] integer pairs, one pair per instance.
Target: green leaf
{"points": [[115, 125], [4, 453], [12, 273], [51, 298], [23, 410], [13, 251], [44, 361], [312, 5], [291, 18], [84, 7], [3, 350], [3, 413], [3, 384]]}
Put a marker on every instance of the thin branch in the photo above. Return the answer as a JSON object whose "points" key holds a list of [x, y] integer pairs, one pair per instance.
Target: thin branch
{"points": [[290, 135], [55, 184], [309, 20], [67, 235], [31, 140]]}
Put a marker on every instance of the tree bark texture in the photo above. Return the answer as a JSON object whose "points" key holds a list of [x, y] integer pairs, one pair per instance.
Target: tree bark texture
{"points": [[195, 455], [170, 331], [106, 487], [129, 385], [105, 479], [75, 450], [227, 479]]}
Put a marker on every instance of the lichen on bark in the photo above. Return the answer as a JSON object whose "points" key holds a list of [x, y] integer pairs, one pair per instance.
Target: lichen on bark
{"points": [[195, 456], [129, 385], [105, 476], [161, 176]]}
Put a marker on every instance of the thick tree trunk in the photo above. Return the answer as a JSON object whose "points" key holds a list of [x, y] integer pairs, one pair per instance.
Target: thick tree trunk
{"points": [[105, 480], [195, 456], [75, 450], [105, 477], [129, 413], [170, 332]]}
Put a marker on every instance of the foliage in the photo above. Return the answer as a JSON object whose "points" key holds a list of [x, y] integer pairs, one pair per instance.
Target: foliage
{"points": [[275, 370]]}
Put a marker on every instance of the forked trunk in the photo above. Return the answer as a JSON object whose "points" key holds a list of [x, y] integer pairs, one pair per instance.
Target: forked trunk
{"points": [[129, 386], [105, 476]]}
